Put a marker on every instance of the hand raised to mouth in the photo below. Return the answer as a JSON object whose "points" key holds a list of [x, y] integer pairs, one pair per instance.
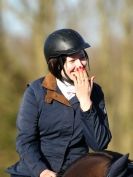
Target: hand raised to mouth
{"points": [[83, 87]]}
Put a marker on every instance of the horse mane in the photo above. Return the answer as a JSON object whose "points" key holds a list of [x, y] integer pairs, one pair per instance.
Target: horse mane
{"points": [[95, 164]]}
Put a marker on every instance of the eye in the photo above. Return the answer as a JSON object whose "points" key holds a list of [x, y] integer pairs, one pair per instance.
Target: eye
{"points": [[72, 61]]}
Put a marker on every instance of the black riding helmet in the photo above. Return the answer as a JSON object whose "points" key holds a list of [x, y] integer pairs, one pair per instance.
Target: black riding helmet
{"points": [[63, 42], [58, 45]]}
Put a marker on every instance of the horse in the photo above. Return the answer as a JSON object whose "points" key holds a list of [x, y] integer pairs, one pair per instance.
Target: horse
{"points": [[101, 164]]}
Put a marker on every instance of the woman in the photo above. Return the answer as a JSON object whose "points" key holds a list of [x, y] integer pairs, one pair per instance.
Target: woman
{"points": [[61, 115]]}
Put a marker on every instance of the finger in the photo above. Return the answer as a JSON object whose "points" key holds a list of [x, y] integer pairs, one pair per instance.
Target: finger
{"points": [[48, 173], [52, 174], [74, 78], [85, 75], [76, 73], [92, 81], [55, 174], [80, 77]]}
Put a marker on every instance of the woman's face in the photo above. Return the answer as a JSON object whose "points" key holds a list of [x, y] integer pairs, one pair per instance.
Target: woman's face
{"points": [[73, 63]]}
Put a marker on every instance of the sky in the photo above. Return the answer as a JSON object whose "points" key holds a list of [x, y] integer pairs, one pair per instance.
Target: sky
{"points": [[89, 24], [17, 27], [14, 25]]}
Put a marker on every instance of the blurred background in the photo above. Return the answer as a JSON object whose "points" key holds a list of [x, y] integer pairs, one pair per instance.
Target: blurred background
{"points": [[106, 25]]}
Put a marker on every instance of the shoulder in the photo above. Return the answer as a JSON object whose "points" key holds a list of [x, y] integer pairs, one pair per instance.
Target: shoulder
{"points": [[36, 83], [35, 88]]}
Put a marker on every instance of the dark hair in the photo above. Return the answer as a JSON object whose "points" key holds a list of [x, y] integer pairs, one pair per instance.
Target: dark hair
{"points": [[55, 65]]}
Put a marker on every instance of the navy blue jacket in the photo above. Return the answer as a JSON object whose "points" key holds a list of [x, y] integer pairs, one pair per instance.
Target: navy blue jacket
{"points": [[53, 132]]}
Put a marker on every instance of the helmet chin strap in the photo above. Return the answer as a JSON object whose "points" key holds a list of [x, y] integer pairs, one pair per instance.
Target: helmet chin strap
{"points": [[67, 79]]}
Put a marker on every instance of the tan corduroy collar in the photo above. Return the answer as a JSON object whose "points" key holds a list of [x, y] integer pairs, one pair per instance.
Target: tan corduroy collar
{"points": [[50, 84]]}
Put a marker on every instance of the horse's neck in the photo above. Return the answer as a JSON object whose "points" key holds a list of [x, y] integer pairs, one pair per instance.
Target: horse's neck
{"points": [[88, 166], [98, 165]]}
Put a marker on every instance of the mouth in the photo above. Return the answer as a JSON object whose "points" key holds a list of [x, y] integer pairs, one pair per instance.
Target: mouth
{"points": [[80, 68]]}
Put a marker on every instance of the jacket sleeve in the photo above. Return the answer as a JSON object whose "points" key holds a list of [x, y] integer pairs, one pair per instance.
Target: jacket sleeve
{"points": [[27, 142], [95, 122]]}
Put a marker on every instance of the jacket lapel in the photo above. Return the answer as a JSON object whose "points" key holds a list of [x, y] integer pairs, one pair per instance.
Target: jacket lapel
{"points": [[50, 84]]}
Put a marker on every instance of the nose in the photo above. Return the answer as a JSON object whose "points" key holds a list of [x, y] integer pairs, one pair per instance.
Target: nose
{"points": [[78, 63]]}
